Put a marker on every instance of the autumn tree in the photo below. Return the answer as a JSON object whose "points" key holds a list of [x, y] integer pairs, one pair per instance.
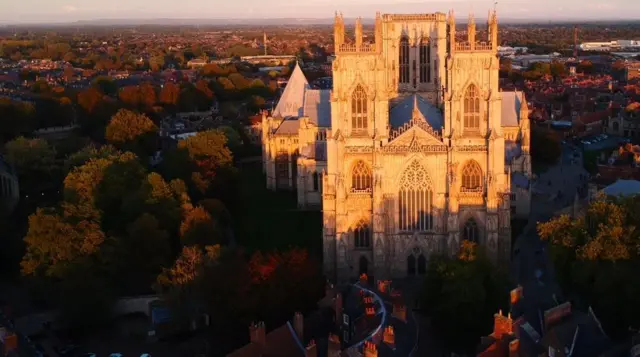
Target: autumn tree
{"points": [[596, 259], [16, 119], [545, 147], [199, 228], [461, 296], [141, 96], [132, 131], [170, 95]]}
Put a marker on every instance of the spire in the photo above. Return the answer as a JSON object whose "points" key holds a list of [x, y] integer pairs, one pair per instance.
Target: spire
{"points": [[265, 42], [338, 31], [494, 30], [378, 32], [471, 31], [358, 33], [452, 31]]}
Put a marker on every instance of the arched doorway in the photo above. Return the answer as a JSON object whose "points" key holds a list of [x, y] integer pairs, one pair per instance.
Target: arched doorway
{"points": [[363, 266], [422, 265], [411, 265]]}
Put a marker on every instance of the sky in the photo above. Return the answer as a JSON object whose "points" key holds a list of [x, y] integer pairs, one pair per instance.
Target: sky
{"points": [[52, 11]]}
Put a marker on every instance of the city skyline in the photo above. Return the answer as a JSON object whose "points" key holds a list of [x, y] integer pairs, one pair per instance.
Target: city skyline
{"points": [[61, 11]]}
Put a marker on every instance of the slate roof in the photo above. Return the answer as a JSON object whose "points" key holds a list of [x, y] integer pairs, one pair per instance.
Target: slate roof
{"points": [[292, 99], [317, 106], [511, 103], [403, 112], [623, 188], [511, 149]]}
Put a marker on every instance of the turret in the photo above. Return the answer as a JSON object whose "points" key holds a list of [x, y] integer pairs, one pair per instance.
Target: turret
{"points": [[378, 32], [493, 30], [452, 32], [471, 31], [338, 31], [358, 34]]}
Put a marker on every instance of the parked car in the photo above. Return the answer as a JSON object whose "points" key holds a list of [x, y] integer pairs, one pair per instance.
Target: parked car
{"points": [[115, 355]]}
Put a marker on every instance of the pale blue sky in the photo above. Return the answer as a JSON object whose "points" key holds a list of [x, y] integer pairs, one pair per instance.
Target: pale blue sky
{"points": [[29, 11]]}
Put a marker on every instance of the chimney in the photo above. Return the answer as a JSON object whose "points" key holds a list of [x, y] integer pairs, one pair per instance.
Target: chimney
{"points": [[370, 350], [334, 345], [556, 314], [311, 350], [298, 325], [514, 348], [389, 336], [502, 325], [257, 334], [516, 295], [338, 309]]}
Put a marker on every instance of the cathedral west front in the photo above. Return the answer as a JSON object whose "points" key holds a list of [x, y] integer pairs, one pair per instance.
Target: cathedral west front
{"points": [[414, 150]]}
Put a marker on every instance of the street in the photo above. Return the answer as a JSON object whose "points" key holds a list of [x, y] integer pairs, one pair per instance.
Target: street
{"points": [[553, 190]]}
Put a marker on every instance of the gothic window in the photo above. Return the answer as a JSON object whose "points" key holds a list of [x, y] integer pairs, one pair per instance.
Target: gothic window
{"points": [[425, 62], [282, 170], [415, 200], [472, 176], [362, 235], [616, 127], [316, 182], [359, 108], [470, 231], [404, 60], [361, 177], [472, 108]]}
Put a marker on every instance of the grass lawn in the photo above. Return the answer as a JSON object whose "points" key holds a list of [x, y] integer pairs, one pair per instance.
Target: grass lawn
{"points": [[270, 220]]}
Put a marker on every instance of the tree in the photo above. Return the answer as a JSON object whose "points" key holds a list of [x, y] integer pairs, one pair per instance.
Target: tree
{"points": [[170, 94], [106, 85], [596, 260], [89, 152], [461, 296], [34, 161], [208, 149], [198, 228], [132, 131], [54, 243]]}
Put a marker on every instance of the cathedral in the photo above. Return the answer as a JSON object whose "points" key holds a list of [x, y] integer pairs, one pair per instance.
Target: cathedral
{"points": [[414, 150]]}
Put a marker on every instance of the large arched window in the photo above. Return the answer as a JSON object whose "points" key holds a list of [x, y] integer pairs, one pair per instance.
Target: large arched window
{"points": [[425, 61], [472, 108], [362, 235], [360, 177], [404, 60], [470, 231], [359, 108], [472, 176], [415, 200]]}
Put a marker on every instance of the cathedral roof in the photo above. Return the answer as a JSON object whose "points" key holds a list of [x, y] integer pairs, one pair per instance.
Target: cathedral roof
{"points": [[289, 126], [317, 106], [292, 99], [402, 112], [511, 103]]}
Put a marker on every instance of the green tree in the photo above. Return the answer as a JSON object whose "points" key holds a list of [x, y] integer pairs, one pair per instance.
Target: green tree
{"points": [[462, 295], [34, 161], [198, 228], [545, 147]]}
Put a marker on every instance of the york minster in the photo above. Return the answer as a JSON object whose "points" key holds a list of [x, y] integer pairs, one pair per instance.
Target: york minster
{"points": [[413, 150]]}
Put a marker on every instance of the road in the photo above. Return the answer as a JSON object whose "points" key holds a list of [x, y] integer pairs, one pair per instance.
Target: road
{"points": [[530, 259]]}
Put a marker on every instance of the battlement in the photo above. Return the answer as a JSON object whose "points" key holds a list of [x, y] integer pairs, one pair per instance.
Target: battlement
{"points": [[471, 47], [438, 16]]}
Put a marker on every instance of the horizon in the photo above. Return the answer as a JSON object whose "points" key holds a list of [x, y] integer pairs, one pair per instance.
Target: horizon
{"points": [[31, 12]]}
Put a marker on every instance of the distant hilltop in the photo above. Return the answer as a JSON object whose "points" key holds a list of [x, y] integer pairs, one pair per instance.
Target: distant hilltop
{"points": [[279, 22]]}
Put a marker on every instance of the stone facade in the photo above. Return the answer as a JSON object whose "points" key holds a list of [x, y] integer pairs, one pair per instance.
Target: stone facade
{"points": [[414, 150]]}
